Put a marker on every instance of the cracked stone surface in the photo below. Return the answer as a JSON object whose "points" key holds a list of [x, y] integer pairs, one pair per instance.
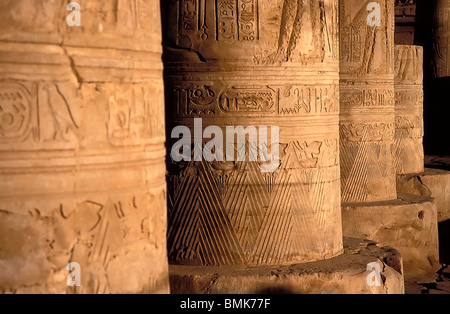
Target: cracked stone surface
{"points": [[345, 274]]}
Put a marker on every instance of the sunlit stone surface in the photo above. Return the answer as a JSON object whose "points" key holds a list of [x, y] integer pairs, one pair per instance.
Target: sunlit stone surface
{"points": [[255, 63], [367, 102], [82, 148]]}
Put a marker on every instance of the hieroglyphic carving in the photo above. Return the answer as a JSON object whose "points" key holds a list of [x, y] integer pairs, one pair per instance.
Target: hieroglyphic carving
{"points": [[295, 100], [67, 109], [351, 44], [363, 132], [40, 117], [409, 97], [368, 98], [409, 154], [57, 121], [363, 47], [237, 20], [228, 213], [130, 118], [16, 112], [196, 100], [308, 100], [245, 99]]}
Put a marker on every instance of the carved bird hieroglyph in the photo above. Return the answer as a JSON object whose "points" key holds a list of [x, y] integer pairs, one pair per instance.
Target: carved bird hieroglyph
{"points": [[56, 118]]}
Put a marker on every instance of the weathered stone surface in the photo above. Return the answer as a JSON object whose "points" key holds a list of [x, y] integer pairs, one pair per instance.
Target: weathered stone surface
{"points": [[255, 63], [82, 147], [345, 274], [367, 124], [409, 154], [434, 183], [408, 224]]}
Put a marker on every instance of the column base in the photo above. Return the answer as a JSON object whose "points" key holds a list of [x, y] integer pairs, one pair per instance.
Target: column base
{"points": [[345, 274], [408, 224], [435, 183]]}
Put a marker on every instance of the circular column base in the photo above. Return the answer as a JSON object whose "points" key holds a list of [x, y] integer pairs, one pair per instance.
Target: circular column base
{"points": [[408, 224], [345, 274]]}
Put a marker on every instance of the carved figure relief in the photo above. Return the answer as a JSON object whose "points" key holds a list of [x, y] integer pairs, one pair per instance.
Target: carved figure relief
{"points": [[293, 30]]}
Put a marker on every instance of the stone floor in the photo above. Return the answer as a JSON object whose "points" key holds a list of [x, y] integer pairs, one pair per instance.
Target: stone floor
{"points": [[441, 282], [441, 285]]}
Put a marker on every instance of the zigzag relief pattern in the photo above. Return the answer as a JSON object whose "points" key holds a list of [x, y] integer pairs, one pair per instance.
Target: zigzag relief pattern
{"points": [[400, 154], [243, 216], [364, 169], [354, 170]]}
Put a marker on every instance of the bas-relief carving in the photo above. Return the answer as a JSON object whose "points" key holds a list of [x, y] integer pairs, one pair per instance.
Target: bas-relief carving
{"points": [[366, 92], [204, 100], [48, 115], [361, 132], [226, 213], [16, 112], [305, 30], [118, 17], [351, 97], [365, 49], [408, 65], [240, 201], [29, 15], [38, 114], [51, 119], [133, 118], [409, 94]]}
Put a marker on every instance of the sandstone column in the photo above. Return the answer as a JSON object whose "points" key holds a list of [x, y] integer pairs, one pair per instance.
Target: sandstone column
{"points": [[441, 40], [82, 147], [255, 63], [232, 227], [367, 100], [409, 155], [405, 19]]}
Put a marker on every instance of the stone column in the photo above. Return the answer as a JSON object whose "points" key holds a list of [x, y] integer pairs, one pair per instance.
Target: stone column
{"points": [[441, 39], [82, 147], [409, 155], [371, 208], [254, 63], [234, 228], [405, 19], [367, 100]]}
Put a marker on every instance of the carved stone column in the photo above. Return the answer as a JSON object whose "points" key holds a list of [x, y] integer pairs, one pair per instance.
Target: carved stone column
{"points": [[409, 155], [405, 19], [255, 63], [367, 100], [441, 40], [232, 227], [82, 147]]}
